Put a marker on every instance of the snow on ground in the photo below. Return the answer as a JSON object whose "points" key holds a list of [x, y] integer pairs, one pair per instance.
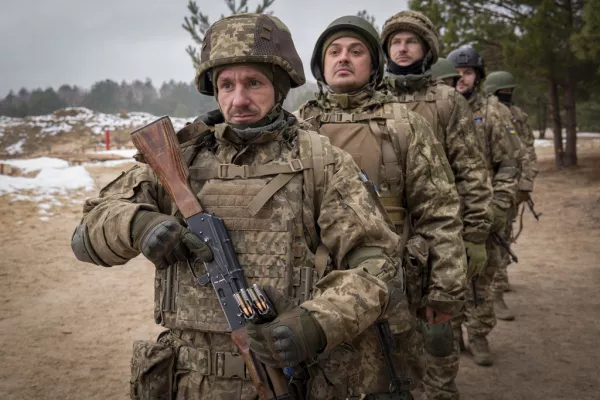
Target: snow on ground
{"points": [[125, 153], [109, 163], [49, 181], [64, 120], [16, 148], [36, 164], [55, 184]]}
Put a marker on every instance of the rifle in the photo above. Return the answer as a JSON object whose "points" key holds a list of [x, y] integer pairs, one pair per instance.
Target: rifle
{"points": [[502, 242], [474, 287], [387, 344], [531, 206], [240, 303]]}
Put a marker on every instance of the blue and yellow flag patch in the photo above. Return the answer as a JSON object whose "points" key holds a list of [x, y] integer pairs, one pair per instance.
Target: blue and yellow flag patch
{"points": [[511, 130]]}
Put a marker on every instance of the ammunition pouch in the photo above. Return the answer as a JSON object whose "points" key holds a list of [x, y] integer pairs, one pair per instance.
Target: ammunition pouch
{"points": [[152, 371]]}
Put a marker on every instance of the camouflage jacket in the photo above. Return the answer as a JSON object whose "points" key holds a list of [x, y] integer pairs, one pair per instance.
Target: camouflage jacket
{"points": [[526, 173], [345, 301], [450, 117], [519, 119], [429, 194], [501, 149]]}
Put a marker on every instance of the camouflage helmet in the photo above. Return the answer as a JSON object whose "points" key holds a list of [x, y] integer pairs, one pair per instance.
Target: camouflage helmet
{"points": [[248, 38], [498, 80], [357, 24], [416, 22], [443, 69], [467, 56]]}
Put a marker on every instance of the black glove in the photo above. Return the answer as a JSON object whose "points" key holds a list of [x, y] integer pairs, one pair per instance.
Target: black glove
{"points": [[164, 240], [211, 118], [294, 336]]}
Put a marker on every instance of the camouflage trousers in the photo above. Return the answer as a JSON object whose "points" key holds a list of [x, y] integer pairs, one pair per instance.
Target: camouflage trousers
{"points": [[440, 374], [479, 318], [436, 374]]}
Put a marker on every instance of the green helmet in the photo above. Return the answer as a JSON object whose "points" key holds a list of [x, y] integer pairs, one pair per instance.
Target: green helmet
{"points": [[248, 38], [416, 22], [498, 80], [357, 24], [443, 69]]}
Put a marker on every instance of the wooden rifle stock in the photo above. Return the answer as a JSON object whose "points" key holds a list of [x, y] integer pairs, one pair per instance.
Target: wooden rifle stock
{"points": [[157, 142]]}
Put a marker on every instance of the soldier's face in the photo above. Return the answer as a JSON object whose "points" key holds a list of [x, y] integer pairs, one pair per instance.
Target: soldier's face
{"points": [[245, 95], [347, 65], [406, 48], [467, 79]]}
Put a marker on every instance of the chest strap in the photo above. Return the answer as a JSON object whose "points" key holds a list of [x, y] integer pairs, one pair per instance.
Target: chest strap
{"points": [[233, 171], [344, 118]]}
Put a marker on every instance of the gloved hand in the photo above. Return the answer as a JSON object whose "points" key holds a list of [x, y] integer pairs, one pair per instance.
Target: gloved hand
{"points": [[523, 196], [211, 118], [476, 258], [500, 220], [164, 240], [294, 336]]}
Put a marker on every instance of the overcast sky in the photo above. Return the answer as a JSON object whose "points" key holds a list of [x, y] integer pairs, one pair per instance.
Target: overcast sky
{"points": [[48, 43]]}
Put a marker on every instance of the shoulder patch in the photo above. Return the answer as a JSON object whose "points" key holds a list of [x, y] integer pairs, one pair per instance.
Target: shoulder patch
{"points": [[478, 120], [511, 129]]}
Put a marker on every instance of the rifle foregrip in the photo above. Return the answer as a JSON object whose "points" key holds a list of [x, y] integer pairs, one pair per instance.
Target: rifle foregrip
{"points": [[158, 144]]}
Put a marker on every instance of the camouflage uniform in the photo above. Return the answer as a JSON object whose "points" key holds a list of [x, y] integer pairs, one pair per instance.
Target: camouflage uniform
{"points": [[502, 158], [340, 117], [275, 237], [495, 82], [450, 117], [527, 174]]}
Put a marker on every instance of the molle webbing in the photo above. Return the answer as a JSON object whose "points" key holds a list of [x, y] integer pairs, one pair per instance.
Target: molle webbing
{"points": [[429, 97], [344, 118], [233, 171]]}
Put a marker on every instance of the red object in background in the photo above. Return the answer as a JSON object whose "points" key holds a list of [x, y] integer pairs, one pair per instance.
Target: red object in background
{"points": [[107, 139]]}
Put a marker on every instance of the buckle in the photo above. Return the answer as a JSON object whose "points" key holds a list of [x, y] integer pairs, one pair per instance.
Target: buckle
{"points": [[231, 171], [229, 365], [296, 165]]}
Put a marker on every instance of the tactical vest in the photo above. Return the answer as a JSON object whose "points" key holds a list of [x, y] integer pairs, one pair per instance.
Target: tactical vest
{"points": [[378, 143], [270, 212], [434, 105]]}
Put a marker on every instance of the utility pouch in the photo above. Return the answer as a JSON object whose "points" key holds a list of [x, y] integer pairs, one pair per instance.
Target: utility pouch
{"points": [[152, 371]]}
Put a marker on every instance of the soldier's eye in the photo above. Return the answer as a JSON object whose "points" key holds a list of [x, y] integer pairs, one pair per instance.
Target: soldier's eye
{"points": [[253, 83]]}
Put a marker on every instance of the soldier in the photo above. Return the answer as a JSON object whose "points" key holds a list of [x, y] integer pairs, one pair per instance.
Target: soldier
{"points": [[399, 153], [502, 163], [282, 191], [444, 70], [501, 84], [411, 45]]}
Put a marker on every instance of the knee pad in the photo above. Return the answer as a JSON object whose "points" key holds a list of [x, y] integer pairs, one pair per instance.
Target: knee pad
{"points": [[438, 339]]}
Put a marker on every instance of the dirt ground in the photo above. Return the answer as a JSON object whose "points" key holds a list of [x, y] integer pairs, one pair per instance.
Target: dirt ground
{"points": [[66, 328]]}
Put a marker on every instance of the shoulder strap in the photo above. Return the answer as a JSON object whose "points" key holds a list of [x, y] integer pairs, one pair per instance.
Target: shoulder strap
{"points": [[400, 143], [444, 106], [399, 139], [315, 181]]}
